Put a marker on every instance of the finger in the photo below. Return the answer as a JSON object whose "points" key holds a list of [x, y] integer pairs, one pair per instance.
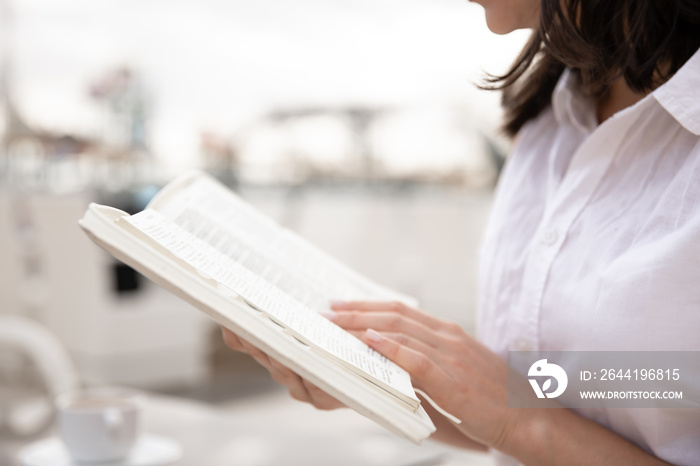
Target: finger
{"points": [[279, 373], [321, 399], [231, 340], [410, 342], [255, 352], [422, 367], [359, 334], [289, 379], [296, 388], [399, 338], [386, 322], [299, 389], [390, 306], [282, 373]]}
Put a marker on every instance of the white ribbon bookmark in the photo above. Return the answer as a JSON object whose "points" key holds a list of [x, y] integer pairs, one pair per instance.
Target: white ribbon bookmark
{"points": [[437, 407]]}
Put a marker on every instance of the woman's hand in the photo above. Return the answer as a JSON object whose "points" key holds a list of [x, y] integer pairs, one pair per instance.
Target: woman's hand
{"points": [[300, 389], [467, 380], [460, 374], [471, 382]]}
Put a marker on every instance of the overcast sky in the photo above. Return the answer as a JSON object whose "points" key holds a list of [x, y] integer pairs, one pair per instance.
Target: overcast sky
{"points": [[216, 64]]}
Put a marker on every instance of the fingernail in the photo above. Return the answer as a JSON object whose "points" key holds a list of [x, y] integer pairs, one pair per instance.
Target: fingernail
{"points": [[373, 336], [338, 303], [330, 315], [226, 336]]}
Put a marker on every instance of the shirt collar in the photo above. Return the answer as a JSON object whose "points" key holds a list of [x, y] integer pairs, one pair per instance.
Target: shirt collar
{"points": [[571, 106], [680, 95]]}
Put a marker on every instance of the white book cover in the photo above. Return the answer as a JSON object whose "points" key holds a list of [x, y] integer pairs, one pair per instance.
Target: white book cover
{"points": [[263, 282]]}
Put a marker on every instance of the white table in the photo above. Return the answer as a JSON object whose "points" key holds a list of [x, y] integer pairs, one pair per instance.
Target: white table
{"points": [[273, 430]]}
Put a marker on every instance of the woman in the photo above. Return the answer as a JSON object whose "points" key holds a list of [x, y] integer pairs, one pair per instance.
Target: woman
{"points": [[593, 242]]}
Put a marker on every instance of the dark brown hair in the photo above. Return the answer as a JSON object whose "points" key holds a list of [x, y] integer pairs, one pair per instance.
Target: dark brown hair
{"points": [[644, 41]]}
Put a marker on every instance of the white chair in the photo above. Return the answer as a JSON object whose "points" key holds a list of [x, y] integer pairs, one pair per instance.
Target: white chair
{"points": [[23, 339], [11, 266], [28, 415]]}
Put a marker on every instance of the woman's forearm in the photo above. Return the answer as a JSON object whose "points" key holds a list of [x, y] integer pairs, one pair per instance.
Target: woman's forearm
{"points": [[552, 436], [560, 436], [447, 432], [472, 382]]}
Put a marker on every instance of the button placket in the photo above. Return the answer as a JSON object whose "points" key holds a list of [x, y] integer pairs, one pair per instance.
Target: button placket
{"points": [[549, 237], [523, 345], [557, 221], [587, 168]]}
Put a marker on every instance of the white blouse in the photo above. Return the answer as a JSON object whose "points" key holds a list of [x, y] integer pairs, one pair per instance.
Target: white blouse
{"points": [[594, 243]]}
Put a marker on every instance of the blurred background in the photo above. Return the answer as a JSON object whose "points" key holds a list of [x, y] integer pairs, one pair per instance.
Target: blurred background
{"points": [[357, 123]]}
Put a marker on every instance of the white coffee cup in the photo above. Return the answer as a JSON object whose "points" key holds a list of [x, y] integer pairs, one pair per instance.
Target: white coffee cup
{"points": [[99, 424]]}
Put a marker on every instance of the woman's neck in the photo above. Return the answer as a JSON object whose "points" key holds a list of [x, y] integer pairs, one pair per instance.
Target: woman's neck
{"points": [[617, 97]]}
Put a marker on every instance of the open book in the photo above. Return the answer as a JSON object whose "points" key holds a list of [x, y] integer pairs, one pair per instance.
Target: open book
{"points": [[203, 243]]}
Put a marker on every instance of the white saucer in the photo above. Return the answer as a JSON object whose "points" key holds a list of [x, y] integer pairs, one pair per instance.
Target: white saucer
{"points": [[150, 450]]}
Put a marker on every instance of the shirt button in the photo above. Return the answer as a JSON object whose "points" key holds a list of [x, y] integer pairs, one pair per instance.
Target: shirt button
{"points": [[523, 345], [549, 237]]}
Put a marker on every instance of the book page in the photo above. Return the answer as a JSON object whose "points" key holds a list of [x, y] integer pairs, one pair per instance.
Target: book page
{"points": [[270, 287], [285, 259]]}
